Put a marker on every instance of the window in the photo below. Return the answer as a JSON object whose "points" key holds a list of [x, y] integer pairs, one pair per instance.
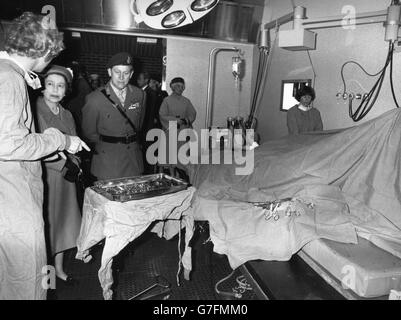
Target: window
{"points": [[289, 89]]}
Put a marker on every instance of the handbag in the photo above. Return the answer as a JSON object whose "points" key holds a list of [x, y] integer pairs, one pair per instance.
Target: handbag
{"points": [[72, 172]]}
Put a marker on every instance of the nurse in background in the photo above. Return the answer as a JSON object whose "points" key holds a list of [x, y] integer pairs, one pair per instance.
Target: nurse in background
{"points": [[176, 107], [303, 117], [179, 109]]}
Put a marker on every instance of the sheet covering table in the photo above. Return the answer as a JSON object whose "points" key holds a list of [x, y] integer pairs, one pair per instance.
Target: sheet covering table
{"points": [[120, 223]]}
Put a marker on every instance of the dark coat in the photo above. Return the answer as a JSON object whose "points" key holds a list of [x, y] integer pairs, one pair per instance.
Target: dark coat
{"points": [[154, 100], [81, 89], [100, 117]]}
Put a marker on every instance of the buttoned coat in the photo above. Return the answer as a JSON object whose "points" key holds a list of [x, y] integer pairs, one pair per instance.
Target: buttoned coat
{"points": [[61, 204], [101, 117]]}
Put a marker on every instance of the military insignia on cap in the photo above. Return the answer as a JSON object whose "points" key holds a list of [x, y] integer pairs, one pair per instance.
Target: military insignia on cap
{"points": [[128, 60]]}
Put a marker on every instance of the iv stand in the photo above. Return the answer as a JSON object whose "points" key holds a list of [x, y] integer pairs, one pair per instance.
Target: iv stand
{"points": [[210, 84]]}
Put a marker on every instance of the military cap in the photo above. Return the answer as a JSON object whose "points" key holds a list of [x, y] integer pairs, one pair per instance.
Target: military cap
{"points": [[120, 59]]}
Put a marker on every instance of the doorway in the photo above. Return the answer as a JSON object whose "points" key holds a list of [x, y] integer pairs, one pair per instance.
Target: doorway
{"points": [[93, 50]]}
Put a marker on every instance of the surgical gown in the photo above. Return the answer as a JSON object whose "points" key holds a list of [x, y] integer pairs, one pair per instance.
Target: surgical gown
{"points": [[22, 243]]}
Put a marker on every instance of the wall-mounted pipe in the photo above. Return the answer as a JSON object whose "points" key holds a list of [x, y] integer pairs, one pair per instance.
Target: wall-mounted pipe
{"points": [[325, 22], [299, 16], [337, 21], [279, 21], [392, 23], [210, 83]]}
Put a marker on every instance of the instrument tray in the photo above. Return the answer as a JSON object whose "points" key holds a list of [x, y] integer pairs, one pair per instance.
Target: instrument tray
{"points": [[140, 187]]}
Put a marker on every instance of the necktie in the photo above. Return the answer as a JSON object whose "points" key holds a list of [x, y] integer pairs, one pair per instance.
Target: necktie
{"points": [[121, 96]]}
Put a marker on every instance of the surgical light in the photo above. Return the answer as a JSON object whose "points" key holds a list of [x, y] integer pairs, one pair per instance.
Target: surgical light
{"points": [[158, 7], [173, 19], [203, 5], [168, 14]]}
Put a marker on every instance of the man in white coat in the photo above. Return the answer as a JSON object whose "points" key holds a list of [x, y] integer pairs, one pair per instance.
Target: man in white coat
{"points": [[31, 43]]}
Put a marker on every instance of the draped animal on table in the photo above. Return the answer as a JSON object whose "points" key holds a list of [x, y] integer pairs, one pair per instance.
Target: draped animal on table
{"points": [[351, 175]]}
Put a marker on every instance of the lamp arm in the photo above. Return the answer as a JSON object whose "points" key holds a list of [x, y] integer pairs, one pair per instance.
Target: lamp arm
{"points": [[134, 10]]}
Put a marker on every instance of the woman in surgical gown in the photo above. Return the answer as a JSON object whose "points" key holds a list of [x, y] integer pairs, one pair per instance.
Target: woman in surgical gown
{"points": [[30, 44]]}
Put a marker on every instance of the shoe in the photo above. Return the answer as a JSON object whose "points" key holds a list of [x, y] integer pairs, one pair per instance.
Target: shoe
{"points": [[69, 281]]}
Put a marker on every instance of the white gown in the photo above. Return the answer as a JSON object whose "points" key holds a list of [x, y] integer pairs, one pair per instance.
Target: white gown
{"points": [[22, 243]]}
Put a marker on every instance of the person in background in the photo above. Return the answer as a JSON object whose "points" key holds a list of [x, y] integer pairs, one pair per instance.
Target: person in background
{"points": [[62, 210], [303, 117], [159, 96], [95, 81], [179, 109], [80, 89], [151, 114], [112, 119], [143, 80], [31, 43], [76, 101], [176, 107]]}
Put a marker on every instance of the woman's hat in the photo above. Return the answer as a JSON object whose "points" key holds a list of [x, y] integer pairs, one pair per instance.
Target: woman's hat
{"points": [[62, 71]]}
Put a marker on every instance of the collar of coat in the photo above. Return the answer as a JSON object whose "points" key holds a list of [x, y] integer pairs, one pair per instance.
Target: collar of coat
{"points": [[12, 64], [113, 95], [57, 121]]}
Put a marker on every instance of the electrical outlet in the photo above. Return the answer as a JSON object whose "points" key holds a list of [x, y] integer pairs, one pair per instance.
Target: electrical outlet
{"points": [[351, 95]]}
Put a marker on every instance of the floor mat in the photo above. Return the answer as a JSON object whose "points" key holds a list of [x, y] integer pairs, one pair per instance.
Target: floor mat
{"points": [[140, 264]]}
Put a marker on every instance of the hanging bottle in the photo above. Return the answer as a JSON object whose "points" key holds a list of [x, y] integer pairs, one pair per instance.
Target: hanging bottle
{"points": [[230, 132], [238, 133], [243, 129]]}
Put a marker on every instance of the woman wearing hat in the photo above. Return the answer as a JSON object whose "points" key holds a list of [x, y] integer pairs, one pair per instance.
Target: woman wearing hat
{"points": [[61, 206], [303, 117], [178, 109]]}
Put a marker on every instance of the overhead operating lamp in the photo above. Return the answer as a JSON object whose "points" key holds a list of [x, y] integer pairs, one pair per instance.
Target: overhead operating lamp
{"points": [[169, 14]]}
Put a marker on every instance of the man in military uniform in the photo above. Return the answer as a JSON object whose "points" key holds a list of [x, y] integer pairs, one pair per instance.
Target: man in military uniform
{"points": [[111, 120]]}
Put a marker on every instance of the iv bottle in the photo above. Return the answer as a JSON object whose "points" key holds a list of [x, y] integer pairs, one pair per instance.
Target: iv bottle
{"points": [[230, 129], [229, 123], [242, 127], [239, 132]]}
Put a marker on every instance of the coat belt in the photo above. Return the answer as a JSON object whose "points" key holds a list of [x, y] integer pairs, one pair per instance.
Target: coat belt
{"points": [[124, 140]]}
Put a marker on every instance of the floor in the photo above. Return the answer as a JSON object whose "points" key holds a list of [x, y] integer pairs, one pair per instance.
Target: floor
{"points": [[150, 259]]}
